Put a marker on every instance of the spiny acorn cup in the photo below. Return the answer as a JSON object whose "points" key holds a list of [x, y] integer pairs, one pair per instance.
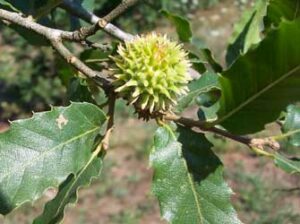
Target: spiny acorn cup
{"points": [[151, 73]]}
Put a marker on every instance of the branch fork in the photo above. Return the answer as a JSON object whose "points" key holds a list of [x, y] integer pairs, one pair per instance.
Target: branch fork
{"points": [[56, 38]]}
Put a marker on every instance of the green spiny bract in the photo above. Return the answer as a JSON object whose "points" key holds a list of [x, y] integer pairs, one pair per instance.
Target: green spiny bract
{"points": [[151, 73]]}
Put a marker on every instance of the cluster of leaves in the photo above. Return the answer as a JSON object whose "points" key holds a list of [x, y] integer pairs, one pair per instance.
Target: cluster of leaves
{"points": [[62, 148]]}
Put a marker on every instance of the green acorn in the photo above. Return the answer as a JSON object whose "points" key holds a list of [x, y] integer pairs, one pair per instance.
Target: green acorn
{"points": [[151, 73]]}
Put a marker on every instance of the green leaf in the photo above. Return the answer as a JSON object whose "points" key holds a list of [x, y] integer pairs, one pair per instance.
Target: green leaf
{"points": [[39, 153], [6, 4], [94, 58], [288, 165], [291, 126], [182, 25], [36, 8], [205, 83], [78, 91], [207, 99], [197, 64], [194, 45], [281, 9], [188, 179], [46, 8], [247, 32], [54, 209], [260, 84], [20, 5], [30, 36], [207, 54], [31, 7], [88, 5], [202, 52]]}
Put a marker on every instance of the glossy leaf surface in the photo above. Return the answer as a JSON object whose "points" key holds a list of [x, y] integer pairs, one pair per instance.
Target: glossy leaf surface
{"points": [[260, 84], [54, 210], [39, 153], [188, 179]]}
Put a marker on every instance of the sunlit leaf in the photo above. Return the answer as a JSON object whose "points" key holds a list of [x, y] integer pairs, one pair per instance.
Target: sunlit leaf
{"points": [[205, 83], [288, 165], [291, 126], [54, 209], [183, 27], [39, 153], [247, 32], [188, 179]]}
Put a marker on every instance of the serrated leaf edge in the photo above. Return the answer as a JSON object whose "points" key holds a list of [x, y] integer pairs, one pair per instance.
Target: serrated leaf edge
{"points": [[77, 177], [35, 114]]}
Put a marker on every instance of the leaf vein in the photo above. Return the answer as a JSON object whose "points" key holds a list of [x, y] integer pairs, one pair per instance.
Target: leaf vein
{"points": [[258, 94], [48, 151]]}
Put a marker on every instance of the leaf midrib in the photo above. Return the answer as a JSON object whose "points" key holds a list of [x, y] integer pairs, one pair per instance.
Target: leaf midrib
{"points": [[190, 178], [255, 96], [41, 155], [193, 188]]}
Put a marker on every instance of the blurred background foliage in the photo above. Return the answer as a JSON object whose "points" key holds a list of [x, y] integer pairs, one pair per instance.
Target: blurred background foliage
{"points": [[28, 77]]}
